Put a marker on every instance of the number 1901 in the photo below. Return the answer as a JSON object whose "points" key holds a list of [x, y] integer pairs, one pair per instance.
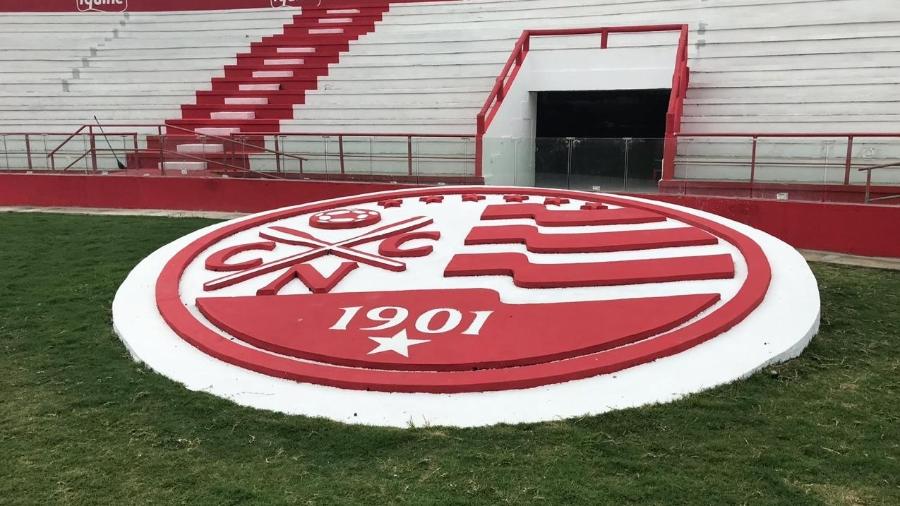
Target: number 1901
{"points": [[429, 322]]}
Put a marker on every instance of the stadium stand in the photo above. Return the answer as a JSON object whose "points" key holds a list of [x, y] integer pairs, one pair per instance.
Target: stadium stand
{"points": [[425, 68]]}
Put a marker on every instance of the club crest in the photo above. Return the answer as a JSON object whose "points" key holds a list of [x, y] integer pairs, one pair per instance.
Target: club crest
{"points": [[461, 291]]}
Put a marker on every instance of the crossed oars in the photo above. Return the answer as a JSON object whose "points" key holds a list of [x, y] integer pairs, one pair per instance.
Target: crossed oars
{"points": [[321, 248]]}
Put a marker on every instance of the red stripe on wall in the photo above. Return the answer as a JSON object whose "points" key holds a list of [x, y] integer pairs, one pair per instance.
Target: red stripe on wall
{"points": [[177, 193], [175, 5]]}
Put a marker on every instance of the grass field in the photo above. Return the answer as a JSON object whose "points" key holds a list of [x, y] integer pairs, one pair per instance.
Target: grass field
{"points": [[81, 423]]}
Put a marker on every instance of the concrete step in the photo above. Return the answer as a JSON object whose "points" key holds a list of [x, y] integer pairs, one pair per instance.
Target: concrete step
{"points": [[182, 166], [228, 115], [246, 101], [203, 149], [259, 87], [273, 74], [295, 50], [283, 61], [216, 131]]}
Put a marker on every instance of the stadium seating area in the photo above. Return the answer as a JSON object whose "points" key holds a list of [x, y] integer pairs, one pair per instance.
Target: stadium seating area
{"points": [[364, 67]]}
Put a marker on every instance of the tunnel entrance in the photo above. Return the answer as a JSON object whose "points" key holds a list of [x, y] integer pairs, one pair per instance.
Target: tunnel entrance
{"points": [[611, 140]]}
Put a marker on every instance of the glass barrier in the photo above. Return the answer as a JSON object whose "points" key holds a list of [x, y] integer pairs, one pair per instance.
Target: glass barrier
{"points": [[610, 165], [774, 166], [65, 152]]}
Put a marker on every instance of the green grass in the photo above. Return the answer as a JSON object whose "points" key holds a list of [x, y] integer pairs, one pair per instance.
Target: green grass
{"points": [[81, 423]]}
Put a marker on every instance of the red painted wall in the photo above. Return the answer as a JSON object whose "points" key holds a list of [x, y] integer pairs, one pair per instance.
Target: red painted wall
{"points": [[869, 230], [169, 5], [857, 229], [180, 193]]}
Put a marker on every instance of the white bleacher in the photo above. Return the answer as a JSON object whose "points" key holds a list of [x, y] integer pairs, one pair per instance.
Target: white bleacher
{"points": [[769, 65], [757, 65], [58, 70]]}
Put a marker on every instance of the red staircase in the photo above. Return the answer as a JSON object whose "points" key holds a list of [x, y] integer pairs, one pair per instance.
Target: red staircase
{"points": [[260, 90]]}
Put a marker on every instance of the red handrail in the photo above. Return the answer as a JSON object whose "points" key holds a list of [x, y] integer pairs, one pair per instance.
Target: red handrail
{"points": [[236, 139], [868, 170], [520, 50], [755, 136]]}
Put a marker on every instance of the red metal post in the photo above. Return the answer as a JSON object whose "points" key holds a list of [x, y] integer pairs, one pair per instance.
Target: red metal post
{"points": [[93, 148], [849, 160], [28, 150], [162, 153], [479, 144], [409, 154], [753, 166], [277, 157], [604, 39], [341, 151], [868, 185], [669, 149], [134, 145]]}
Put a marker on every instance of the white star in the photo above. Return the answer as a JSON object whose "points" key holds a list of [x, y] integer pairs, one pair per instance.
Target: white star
{"points": [[398, 344]]}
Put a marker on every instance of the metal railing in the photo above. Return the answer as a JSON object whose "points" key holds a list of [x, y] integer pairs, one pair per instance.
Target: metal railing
{"points": [[868, 171], [395, 156], [847, 163]]}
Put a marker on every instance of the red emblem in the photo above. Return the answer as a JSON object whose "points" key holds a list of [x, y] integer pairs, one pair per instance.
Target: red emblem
{"points": [[344, 218], [438, 290]]}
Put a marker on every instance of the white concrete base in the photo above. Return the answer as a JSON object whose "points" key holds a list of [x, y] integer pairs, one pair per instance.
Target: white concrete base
{"points": [[778, 330]]}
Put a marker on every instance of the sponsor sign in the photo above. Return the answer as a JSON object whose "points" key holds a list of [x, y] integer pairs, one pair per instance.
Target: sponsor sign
{"points": [[101, 5], [463, 293], [285, 3]]}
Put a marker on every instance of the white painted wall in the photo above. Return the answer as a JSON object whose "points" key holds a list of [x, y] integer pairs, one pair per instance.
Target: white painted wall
{"points": [[508, 145]]}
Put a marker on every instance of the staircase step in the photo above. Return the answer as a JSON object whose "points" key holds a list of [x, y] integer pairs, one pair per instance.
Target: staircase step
{"points": [[203, 149], [296, 50], [267, 81], [273, 74], [179, 165], [233, 115], [246, 101], [283, 61], [260, 87], [217, 97], [325, 31], [217, 131]]}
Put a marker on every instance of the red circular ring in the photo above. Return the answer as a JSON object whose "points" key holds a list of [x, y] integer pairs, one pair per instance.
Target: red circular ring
{"points": [[183, 323]]}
